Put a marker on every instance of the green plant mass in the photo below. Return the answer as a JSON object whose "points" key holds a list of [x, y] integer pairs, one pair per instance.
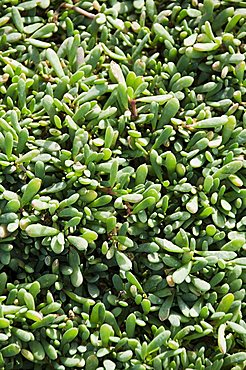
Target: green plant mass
{"points": [[122, 185]]}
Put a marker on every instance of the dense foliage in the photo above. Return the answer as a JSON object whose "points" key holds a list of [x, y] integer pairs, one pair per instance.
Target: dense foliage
{"points": [[122, 184]]}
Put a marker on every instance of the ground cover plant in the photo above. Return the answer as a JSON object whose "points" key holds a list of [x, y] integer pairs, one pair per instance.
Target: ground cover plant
{"points": [[122, 184]]}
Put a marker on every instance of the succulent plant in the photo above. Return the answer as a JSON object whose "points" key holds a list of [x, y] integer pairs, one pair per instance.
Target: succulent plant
{"points": [[122, 184]]}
